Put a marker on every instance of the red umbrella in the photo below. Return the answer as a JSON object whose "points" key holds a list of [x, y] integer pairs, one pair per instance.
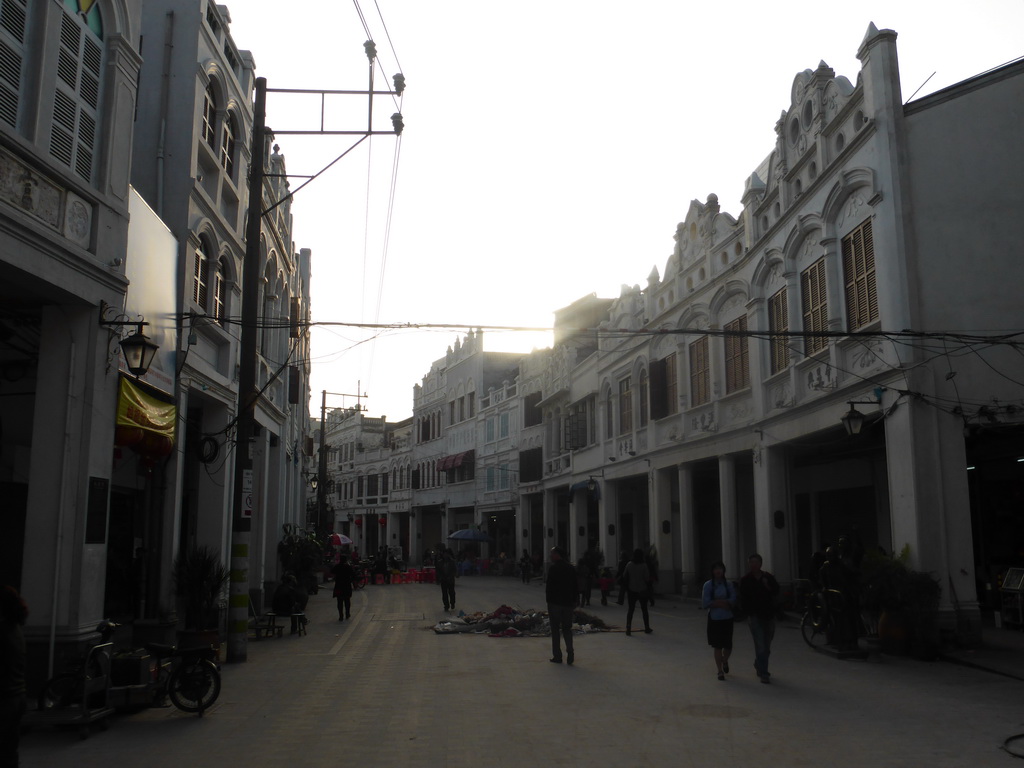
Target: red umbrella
{"points": [[338, 539]]}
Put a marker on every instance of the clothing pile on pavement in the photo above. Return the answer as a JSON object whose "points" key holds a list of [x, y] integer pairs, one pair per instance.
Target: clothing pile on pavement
{"points": [[513, 622]]}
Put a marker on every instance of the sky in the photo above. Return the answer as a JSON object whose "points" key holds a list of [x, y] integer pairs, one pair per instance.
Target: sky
{"points": [[549, 150]]}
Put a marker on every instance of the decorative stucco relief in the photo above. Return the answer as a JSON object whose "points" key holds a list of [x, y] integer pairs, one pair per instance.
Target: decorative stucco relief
{"points": [[866, 357], [821, 376], [852, 210], [781, 395], [23, 188], [704, 422]]}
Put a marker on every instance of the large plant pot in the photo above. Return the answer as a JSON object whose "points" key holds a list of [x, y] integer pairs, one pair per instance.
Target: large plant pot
{"points": [[895, 632]]}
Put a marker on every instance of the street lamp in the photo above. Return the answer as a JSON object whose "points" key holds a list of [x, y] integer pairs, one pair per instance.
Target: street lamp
{"points": [[138, 349], [853, 420]]}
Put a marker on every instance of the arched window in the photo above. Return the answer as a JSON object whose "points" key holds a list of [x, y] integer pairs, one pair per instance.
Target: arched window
{"points": [[220, 292], [209, 116], [73, 134], [227, 147], [644, 398], [609, 415], [201, 275]]}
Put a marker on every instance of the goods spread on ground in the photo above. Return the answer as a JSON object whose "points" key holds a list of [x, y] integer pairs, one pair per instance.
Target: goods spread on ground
{"points": [[515, 622]]}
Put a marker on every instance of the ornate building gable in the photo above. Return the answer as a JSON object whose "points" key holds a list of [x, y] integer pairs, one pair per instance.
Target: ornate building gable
{"points": [[705, 231]]}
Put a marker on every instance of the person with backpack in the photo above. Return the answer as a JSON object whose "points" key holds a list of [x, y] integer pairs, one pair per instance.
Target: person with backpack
{"points": [[446, 571]]}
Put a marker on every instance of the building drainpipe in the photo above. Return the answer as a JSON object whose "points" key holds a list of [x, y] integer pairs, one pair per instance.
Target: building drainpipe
{"points": [[164, 98]]}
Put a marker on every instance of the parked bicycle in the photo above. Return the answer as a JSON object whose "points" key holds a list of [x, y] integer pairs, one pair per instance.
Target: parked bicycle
{"points": [[187, 676], [820, 623], [361, 578]]}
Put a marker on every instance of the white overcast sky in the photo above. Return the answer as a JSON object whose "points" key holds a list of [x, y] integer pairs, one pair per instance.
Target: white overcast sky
{"points": [[550, 147]]}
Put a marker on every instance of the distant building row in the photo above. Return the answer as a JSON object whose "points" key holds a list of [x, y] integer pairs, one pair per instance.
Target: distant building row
{"points": [[700, 414]]}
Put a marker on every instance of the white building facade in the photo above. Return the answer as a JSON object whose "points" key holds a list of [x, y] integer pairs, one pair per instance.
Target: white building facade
{"points": [[191, 163], [720, 384], [67, 103], [699, 416]]}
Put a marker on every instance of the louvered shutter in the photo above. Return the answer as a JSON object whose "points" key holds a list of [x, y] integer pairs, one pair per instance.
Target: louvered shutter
{"points": [[814, 303], [77, 98], [12, 48], [859, 277], [778, 320], [657, 383]]}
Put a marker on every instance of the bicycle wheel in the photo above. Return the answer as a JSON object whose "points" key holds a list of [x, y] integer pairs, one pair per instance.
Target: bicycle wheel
{"points": [[60, 692], [194, 686], [813, 630]]}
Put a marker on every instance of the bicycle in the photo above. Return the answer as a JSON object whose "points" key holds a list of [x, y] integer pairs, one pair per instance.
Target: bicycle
{"points": [[361, 578], [188, 676], [820, 623]]}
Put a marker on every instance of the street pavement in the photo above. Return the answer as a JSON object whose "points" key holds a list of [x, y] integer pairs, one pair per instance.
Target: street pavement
{"points": [[385, 690]]}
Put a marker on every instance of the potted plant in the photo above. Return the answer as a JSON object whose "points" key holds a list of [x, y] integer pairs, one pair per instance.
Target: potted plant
{"points": [[199, 577], [301, 554], [905, 603]]}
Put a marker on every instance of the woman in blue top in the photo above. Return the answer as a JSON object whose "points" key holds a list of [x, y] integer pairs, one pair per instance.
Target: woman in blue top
{"points": [[719, 598]]}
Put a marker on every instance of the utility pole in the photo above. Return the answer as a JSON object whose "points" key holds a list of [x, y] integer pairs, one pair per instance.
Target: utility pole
{"points": [[241, 516], [248, 394]]}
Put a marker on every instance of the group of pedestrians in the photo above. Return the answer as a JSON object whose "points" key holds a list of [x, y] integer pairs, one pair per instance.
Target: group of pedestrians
{"points": [[756, 598]]}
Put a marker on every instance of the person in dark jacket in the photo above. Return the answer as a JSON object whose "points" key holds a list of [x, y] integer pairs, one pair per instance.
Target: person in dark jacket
{"points": [[637, 578], [344, 576], [560, 592], [758, 590], [446, 571]]}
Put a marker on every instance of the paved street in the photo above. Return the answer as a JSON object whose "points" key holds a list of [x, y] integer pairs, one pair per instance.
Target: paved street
{"points": [[384, 690]]}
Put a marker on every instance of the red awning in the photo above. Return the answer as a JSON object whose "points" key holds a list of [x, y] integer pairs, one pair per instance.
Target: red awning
{"points": [[455, 461]]}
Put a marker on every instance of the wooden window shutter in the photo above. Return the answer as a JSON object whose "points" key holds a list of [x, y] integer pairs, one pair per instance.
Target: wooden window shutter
{"points": [[778, 320], [658, 385], [814, 303], [12, 49]]}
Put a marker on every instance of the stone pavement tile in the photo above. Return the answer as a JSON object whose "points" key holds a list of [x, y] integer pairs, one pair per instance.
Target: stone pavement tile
{"points": [[391, 692]]}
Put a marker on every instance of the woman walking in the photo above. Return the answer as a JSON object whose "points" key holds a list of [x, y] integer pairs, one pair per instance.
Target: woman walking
{"points": [[344, 576], [719, 598], [637, 579]]}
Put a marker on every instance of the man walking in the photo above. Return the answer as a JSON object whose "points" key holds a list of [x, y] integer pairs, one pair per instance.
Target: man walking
{"points": [[758, 590], [560, 592], [445, 569]]}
